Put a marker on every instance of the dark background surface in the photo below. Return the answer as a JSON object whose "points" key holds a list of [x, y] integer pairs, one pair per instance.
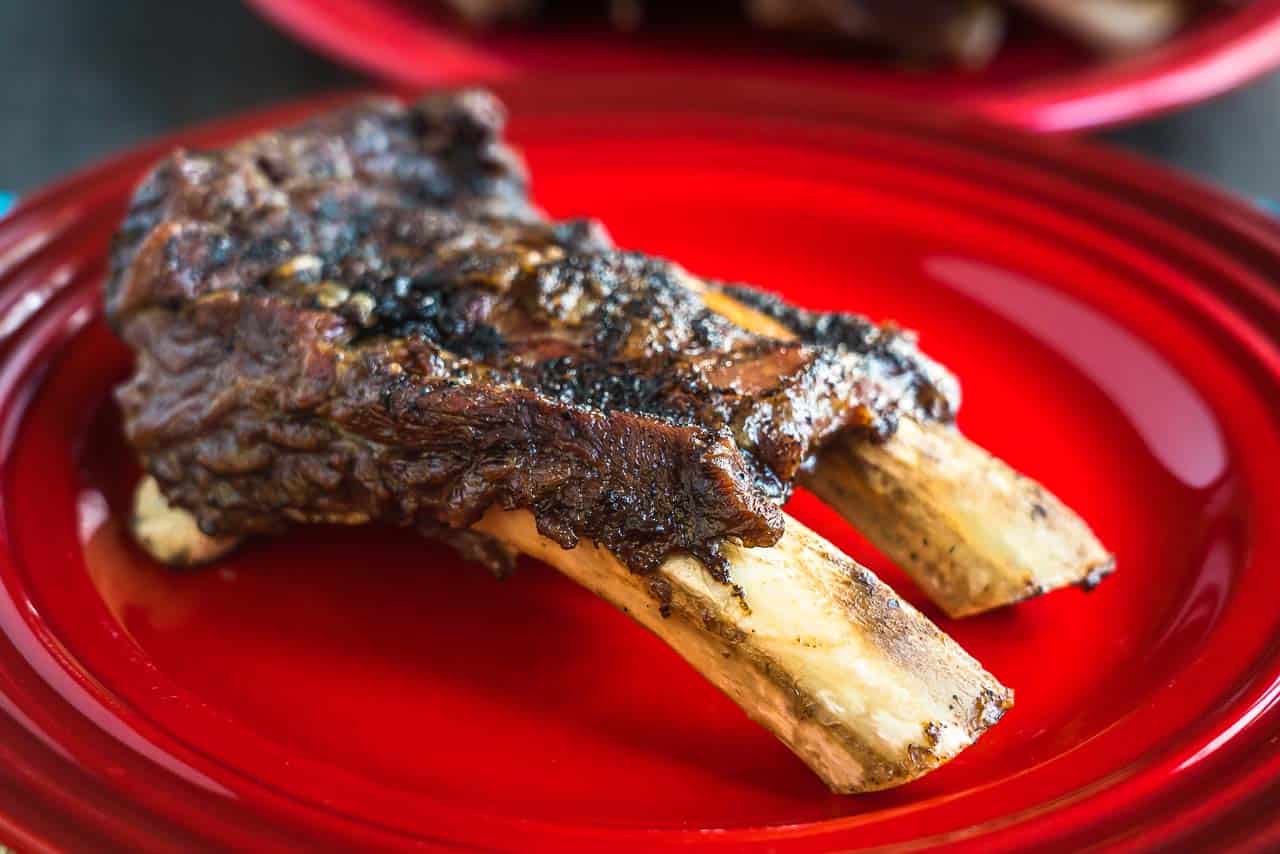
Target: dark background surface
{"points": [[84, 78]]}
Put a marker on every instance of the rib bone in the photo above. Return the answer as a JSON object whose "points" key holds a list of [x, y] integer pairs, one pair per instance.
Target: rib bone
{"points": [[170, 534], [860, 685], [971, 531]]}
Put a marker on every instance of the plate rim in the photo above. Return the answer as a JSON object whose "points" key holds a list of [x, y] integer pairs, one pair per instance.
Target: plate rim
{"points": [[1206, 61]]}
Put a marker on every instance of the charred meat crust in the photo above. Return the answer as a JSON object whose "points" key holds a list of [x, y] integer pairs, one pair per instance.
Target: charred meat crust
{"points": [[285, 427], [363, 318], [924, 389], [444, 150]]}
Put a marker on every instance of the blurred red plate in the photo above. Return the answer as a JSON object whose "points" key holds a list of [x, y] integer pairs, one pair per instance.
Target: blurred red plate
{"points": [[1038, 82], [1116, 330]]}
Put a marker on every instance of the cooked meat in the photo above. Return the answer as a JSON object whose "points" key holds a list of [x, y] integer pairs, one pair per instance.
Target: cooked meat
{"points": [[443, 151], [967, 32], [925, 390], [363, 318], [961, 32], [486, 13], [971, 531]]}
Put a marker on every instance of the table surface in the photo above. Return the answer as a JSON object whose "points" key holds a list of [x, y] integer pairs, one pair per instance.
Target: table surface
{"points": [[83, 78]]}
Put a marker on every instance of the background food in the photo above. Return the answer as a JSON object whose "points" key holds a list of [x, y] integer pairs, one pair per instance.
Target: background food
{"points": [[964, 32]]}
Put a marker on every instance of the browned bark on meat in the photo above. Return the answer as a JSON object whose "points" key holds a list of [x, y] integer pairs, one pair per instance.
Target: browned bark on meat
{"points": [[364, 318]]}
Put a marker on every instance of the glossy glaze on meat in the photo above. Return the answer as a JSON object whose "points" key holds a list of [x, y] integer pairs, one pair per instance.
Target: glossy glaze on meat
{"points": [[364, 319]]}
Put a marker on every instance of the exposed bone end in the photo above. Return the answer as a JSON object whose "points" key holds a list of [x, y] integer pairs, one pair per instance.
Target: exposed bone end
{"points": [[971, 531], [170, 534], [858, 684]]}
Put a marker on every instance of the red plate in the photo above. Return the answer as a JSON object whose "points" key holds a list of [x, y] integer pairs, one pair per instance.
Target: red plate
{"points": [[1116, 330], [1038, 82]]}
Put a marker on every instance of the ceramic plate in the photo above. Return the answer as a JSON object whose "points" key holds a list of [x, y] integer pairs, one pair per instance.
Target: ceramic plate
{"points": [[1115, 328]]}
